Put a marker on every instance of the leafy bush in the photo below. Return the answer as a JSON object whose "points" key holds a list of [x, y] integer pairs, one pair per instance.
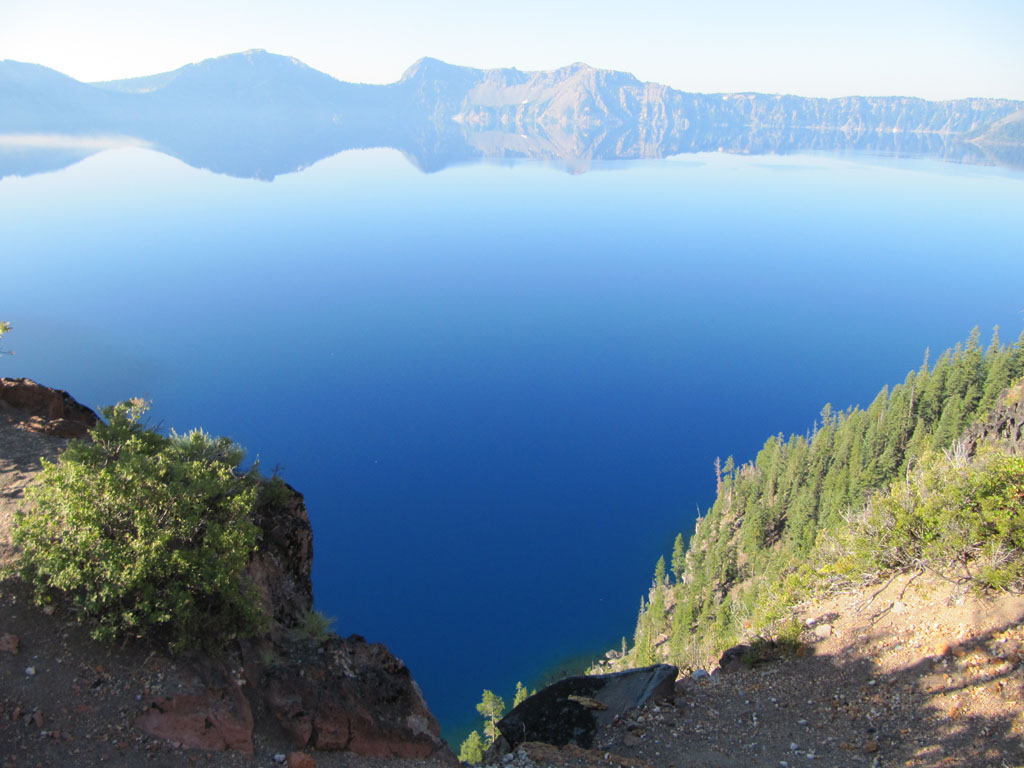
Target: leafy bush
{"points": [[472, 749], [145, 535], [314, 626], [962, 519]]}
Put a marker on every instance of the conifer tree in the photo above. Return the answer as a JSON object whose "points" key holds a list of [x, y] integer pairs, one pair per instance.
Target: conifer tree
{"points": [[659, 573], [999, 374], [521, 695], [472, 749], [1017, 358], [679, 557], [492, 707]]}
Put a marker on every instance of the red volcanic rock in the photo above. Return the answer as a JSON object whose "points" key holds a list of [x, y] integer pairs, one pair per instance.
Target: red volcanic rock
{"points": [[300, 760], [214, 716], [42, 409], [9, 644], [353, 696]]}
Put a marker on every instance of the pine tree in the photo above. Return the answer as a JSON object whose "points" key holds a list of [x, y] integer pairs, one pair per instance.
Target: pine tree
{"points": [[682, 617], [656, 618], [950, 424], [521, 695], [999, 363], [492, 707], [643, 637], [678, 557], [1017, 358], [659, 573], [472, 749]]}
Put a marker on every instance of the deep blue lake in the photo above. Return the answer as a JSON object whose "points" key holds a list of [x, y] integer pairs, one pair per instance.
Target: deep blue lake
{"points": [[501, 388]]}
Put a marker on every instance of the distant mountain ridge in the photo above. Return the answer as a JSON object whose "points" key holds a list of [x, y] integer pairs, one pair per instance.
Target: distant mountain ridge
{"points": [[260, 114]]}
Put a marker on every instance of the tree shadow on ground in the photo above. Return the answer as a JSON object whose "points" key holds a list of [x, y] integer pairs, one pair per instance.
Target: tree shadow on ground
{"points": [[961, 704]]}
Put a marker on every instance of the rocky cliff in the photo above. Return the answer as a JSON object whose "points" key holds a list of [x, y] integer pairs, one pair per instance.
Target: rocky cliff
{"points": [[1004, 426], [296, 687]]}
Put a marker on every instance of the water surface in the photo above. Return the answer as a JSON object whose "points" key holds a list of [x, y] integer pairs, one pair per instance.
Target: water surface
{"points": [[501, 388]]}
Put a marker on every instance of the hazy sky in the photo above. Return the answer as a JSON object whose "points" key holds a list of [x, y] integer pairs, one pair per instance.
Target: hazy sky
{"points": [[930, 48]]}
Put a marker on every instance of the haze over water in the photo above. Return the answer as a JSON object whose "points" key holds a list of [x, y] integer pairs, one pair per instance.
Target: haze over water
{"points": [[501, 388]]}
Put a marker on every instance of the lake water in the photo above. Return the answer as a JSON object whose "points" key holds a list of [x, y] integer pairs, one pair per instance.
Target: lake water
{"points": [[501, 388]]}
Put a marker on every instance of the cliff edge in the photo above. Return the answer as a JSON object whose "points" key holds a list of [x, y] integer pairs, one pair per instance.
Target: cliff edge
{"points": [[298, 692]]}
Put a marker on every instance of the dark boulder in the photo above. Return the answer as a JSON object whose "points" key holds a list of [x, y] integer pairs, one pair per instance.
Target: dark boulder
{"points": [[571, 710], [737, 657]]}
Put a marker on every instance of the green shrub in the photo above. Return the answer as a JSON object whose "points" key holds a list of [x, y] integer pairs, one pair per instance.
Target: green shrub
{"points": [[314, 626], [472, 749], [145, 535], [963, 519]]}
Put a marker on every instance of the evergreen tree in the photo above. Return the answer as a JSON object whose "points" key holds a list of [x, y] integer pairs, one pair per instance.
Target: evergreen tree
{"points": [[798, 492], [678, 557], [682, 616], [643, 637], [999, 373], [1017, 358], [659, 572], [950, 424], [492, 707], [472, 749], [521, 695]]}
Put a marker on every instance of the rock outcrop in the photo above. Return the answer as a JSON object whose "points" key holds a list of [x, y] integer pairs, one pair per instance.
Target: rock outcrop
{"points": [[42, 409], [212, 713], [313, 689], [282, 566], [1004, 426], [571, 710], [347, 694], [324, 691]]}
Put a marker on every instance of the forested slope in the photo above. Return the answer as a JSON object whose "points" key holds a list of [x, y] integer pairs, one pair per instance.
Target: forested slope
{"points": [[863, 493]]}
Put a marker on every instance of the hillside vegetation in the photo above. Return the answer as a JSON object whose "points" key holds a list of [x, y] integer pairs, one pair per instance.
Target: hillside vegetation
{"points": [[862, 495]]}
